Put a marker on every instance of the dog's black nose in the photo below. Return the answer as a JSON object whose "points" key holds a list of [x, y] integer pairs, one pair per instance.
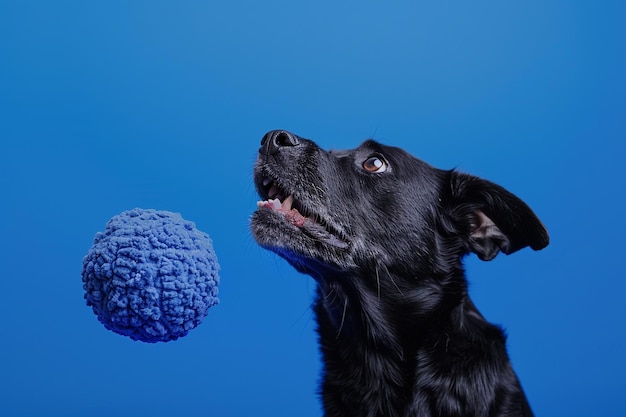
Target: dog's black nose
{"points": [[274, 140]]}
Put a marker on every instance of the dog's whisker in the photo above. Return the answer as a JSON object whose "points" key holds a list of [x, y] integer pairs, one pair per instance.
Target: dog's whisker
{"points": [[343, 317], [393, 281], [378, 284]]}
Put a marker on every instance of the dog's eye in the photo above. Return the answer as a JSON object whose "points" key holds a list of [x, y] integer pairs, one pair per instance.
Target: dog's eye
{"points": [[375, 164]]}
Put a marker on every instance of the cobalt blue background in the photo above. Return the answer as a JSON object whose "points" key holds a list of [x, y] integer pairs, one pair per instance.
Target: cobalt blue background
{"points": [[107, 106]]}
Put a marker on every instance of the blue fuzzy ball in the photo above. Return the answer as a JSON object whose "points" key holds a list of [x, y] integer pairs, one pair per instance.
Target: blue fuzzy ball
{"points": [[151, 275]]}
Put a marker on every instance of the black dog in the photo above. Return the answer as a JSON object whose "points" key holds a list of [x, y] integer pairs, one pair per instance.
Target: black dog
{"points": [[384, 234]]}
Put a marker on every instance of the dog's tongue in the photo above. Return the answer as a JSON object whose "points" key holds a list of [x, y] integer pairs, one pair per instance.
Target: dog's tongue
{"points": [[285, 207]]}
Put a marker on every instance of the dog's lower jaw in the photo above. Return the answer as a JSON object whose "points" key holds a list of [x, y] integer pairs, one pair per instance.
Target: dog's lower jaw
{"points": [[312, 255]]}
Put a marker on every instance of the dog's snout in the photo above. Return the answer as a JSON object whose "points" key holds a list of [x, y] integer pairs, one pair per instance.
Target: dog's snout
{"points": [[274, 140]]}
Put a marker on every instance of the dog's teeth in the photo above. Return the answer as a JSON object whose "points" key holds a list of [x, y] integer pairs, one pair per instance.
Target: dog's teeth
{"points": [[271, 204], [288, 203]]}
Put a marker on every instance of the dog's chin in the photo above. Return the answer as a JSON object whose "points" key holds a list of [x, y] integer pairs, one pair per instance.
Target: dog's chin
{"points": [[304, 243]]}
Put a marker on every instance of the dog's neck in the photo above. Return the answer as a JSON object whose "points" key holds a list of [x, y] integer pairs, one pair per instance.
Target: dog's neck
{"points": [[371, 332], [387, 309], [347, 359]]}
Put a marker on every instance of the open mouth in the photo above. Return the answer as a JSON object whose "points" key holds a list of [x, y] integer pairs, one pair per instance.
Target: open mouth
{"points": [[278, 199]]}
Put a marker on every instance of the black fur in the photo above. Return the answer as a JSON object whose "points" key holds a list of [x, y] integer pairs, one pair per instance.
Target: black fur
{"points": [[399, 335]]}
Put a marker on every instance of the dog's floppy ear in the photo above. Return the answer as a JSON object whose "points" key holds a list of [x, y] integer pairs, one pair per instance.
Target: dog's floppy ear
{"points": [[491, 219]]}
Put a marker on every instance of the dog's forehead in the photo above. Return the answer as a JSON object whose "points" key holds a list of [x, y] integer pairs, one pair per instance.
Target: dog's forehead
{"points": [[370, 146]]}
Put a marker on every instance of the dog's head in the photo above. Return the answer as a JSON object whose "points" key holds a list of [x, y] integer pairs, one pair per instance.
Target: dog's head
{"points": [[340, 211]]}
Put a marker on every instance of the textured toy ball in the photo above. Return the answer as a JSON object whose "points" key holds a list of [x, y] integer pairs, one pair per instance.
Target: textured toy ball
{"points": [[151, 275]]}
